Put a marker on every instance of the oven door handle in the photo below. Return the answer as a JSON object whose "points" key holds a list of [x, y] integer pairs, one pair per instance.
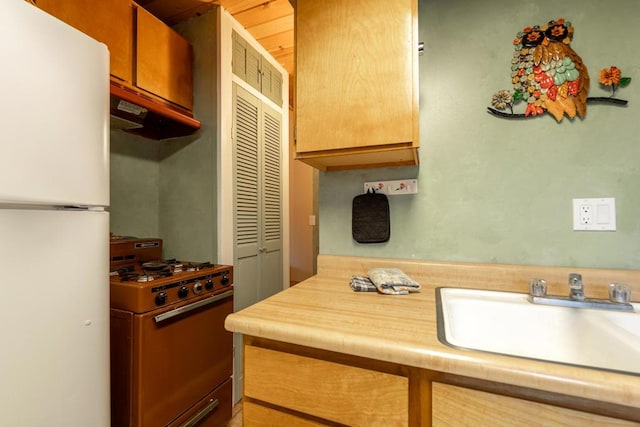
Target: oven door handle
{"points": [[187, 308], [213, 404]]}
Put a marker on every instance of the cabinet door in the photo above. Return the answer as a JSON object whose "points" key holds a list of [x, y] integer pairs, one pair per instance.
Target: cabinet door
{"points": [[356, 73], [271, 202], [460, 406], [258, 196], [256, 70], [163, 61], [110, 22], [271, 82], [331, 391], [246, 61], [257, 204]]}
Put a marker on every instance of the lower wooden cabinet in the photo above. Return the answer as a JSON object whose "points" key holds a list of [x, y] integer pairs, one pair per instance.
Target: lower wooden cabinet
{"points": [[287, 386], [459, 406], [290, 385]]}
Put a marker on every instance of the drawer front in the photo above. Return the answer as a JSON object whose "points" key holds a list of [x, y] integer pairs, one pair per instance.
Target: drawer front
{"points": [[332, 391], [459, 406]]}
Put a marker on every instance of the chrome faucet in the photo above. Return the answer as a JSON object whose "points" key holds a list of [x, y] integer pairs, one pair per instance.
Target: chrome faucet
{"points": [[619, 295], [576, 290]]}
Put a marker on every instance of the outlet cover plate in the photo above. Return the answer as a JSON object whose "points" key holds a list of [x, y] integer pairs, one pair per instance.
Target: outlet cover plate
{"points": [[597, 214]]}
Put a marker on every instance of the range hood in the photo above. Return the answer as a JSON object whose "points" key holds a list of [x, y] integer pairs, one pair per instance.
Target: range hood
{"points": [[136, 113]]}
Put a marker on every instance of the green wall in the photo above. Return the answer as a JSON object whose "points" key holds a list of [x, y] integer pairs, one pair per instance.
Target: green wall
{"points": [[135, 180], [496, 190]]}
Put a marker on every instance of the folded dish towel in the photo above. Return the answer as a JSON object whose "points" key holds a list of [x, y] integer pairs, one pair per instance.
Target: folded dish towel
{"points": [[390, 281], [362, 284]]}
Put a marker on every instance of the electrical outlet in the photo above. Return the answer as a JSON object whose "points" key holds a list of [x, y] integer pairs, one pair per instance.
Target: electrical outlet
{"points": [[594, 214], [586, 214]]}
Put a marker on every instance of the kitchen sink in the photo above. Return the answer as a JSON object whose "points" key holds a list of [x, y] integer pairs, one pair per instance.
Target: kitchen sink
{"points": [[507, 323]]}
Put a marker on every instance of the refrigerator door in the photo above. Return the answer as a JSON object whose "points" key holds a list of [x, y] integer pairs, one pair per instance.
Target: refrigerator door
{"points": [[53, 111], [54, 312]]}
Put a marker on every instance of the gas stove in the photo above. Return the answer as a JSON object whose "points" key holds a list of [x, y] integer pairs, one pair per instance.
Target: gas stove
{"points": [[141, 281], [167, 333], [141, 290]]}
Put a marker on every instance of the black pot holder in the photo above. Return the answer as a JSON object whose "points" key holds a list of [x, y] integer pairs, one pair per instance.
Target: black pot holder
{"points": [[370, 218]]}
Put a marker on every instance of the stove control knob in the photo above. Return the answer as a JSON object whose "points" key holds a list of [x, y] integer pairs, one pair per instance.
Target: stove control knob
{"points": [[209, 285], [197, 288], [224, 280], [161, 298], [183, 291]]}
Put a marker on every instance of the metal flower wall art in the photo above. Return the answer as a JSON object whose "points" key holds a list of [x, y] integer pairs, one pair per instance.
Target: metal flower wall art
{"points": [[548, 76]]}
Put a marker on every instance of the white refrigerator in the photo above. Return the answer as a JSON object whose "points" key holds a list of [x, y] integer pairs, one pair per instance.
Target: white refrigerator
{"points": [[54, 222]]}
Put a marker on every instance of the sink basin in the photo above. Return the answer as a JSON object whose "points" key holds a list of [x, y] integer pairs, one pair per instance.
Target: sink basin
{"points": [[507, 323]]}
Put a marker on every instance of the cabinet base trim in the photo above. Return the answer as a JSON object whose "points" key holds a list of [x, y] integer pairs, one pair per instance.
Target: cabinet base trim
{"points": [[336, 160]]}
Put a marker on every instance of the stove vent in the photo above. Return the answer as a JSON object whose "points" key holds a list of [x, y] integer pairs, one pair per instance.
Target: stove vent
{"points": [[136, 113]]}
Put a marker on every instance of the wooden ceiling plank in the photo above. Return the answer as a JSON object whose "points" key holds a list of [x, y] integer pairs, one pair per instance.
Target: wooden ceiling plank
{"points": [[173, 11], [166, 8], [277, 41], [282, 52], [285, 60], [236, 6], [268, 28], [267, 12]]}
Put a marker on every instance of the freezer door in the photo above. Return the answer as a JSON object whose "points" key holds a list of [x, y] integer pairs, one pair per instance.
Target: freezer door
{"points": [[54, 111], [54, 317]]}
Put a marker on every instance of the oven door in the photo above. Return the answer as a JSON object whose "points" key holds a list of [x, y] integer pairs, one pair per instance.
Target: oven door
{"points": [[180, 355]]}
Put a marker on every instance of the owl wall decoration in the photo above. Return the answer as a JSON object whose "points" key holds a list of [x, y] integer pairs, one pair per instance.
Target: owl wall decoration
{"points": [[549, 76]]}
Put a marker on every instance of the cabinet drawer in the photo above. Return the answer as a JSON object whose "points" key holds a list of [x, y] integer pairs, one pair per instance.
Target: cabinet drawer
{"points": [[460, 406], [328, 390]]}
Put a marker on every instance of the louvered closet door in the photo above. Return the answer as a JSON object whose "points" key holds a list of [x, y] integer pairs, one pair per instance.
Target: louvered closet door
{"points": [[246, 197], [271, 205], [257, 199]]}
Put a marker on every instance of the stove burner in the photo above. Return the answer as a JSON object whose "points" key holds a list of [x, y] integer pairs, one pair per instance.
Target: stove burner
{"points": [[154, 265], [130, 274], [150, 270], [196, 266]]}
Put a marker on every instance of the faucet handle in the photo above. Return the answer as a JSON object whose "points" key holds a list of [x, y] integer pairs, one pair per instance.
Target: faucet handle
{"points": [[575, 281], [537, 287], [575, 287], [619, 292]]}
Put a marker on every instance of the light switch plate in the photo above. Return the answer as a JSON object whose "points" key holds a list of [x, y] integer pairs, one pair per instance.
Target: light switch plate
{"points": [[594, 214]]}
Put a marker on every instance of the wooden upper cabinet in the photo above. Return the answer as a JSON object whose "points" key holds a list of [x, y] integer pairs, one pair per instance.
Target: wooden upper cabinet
{"points": [[163, 61], [356, 83], [106, 21]]}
